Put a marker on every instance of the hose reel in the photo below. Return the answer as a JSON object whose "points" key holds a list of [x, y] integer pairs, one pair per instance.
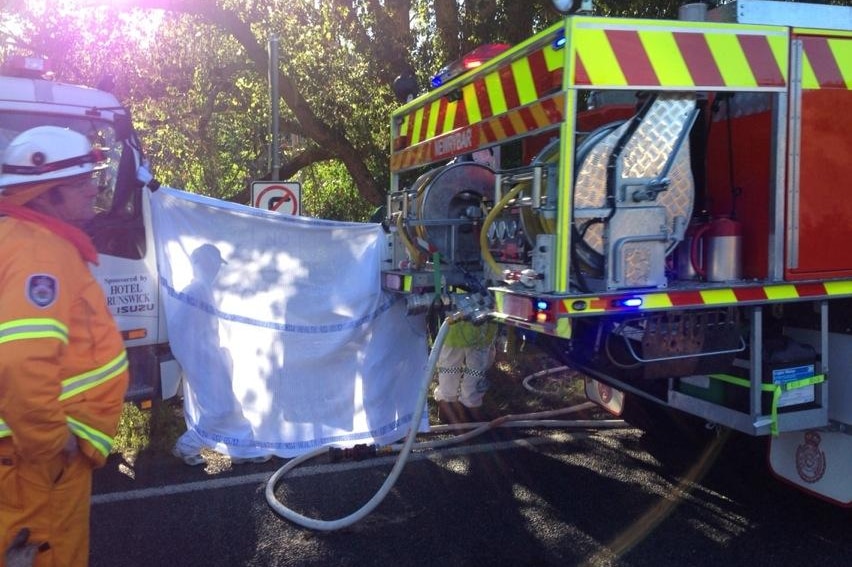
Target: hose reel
{"points": [[448, 208], [634, 193]]}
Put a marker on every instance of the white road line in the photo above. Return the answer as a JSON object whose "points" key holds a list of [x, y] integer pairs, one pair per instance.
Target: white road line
{"points": [[261, 478]]}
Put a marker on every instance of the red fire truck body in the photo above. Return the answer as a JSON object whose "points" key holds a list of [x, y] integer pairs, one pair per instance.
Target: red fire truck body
{"points": [[661, 203]]}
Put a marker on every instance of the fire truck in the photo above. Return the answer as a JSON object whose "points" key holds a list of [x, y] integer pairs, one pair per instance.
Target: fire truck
{"points": [[661, 203], [121, 231]]}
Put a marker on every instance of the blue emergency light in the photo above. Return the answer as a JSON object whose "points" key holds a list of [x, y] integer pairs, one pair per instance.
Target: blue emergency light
{"points": [[627, 302]]}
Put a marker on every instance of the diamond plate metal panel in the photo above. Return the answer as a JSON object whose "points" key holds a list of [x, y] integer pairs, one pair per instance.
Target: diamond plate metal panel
{"points": [[636, 253], [643, 158]]}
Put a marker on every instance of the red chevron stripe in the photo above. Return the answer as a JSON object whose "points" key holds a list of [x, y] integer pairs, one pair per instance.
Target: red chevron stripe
{"points": [[528, 119], [510, 91], [461, 115], [763, 65], [823, 63], [699, 60], [541, 78], [581, 76], [424, 123], [750, 294], [686, 298], [632, 57], [442, 115], [507, 125], [811, 289], [482, 98], [488, 134], [553, 109]]}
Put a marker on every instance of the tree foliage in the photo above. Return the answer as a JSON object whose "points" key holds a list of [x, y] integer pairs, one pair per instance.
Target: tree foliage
{"points": [[195, 75]]}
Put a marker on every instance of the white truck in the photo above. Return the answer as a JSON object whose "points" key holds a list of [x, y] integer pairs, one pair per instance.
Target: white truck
{"points": [[121, 230]]}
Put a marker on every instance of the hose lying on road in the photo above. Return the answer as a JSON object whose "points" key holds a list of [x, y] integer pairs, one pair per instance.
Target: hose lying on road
{"points": [[527, 383], [539, 419], [331, 525]]}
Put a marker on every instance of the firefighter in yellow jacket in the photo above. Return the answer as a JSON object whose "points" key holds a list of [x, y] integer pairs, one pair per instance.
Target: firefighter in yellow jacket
{"points": [[63, 367], [465, 358]]}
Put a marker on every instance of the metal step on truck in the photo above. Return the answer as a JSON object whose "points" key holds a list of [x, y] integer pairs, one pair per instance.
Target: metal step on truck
{"points": [[121, 231], [662, 203]]}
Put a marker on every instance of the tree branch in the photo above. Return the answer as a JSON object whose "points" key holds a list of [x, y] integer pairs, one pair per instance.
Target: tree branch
{"points": [[333, 140]]}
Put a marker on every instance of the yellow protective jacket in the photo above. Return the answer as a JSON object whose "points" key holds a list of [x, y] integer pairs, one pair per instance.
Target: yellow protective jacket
{"points": [[467, 335], [62, 360]]}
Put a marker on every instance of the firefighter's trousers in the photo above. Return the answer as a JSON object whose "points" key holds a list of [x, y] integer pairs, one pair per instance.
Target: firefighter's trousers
{"points": [[51, 499], [462, 374]]}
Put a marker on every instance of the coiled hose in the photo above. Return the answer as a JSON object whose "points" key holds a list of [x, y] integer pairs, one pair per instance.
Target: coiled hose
{"points": [[331, 525]]}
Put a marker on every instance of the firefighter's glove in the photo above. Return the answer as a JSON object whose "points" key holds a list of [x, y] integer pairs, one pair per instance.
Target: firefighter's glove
{"points": [[143, 174], [20, 553]]}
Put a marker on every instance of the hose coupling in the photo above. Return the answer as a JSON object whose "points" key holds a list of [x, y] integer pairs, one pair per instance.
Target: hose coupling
{"points": [[357, 453]]}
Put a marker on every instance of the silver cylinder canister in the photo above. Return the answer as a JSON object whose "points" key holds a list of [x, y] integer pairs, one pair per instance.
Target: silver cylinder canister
{"points": [[716, 251]]}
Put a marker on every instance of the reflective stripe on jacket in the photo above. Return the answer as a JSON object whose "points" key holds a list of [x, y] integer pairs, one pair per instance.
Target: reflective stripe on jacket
{"points": [[62, 360]]}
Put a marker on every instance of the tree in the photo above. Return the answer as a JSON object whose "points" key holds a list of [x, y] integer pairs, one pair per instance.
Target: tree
{"points": [[334, 77], [197, 82], [198, 87]]}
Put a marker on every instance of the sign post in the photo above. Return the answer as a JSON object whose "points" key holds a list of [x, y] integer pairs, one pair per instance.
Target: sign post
{"points": [[279, 196]]}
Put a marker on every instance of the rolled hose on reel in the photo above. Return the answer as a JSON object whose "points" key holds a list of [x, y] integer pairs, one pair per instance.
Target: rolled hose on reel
{"points": [[450, 193]]}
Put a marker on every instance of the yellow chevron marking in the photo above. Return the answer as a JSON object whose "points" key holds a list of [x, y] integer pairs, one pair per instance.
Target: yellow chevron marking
{"points": [[781, 292], [433, 119], [499, 132], [450, 116], [838, 288], [656, 301], [666, 58], [598, 58], [495, 94], [517, 123], [539, 115], [718, 296], [553, 58], [842, 49], [403, 128], [415, 126], [524, 81], [563, 327], [471, 104], [731, 60], [779, 45]]}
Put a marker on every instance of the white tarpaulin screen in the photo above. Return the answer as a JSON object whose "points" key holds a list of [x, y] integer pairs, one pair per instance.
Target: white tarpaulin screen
{"points": [[292, 345]]}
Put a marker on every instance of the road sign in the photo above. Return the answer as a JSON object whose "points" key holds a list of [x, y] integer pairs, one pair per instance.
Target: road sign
{"points": [[280, 196]]}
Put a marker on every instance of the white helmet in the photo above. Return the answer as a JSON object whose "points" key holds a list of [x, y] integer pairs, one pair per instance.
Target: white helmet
{"points": [[45, 153]]}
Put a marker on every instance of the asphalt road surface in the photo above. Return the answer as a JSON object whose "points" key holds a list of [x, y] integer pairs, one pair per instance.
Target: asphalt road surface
{"points": [[534, 498]]}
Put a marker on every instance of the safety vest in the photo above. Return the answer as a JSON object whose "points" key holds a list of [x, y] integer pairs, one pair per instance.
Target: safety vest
{"points": [[62, 360], [465, 335]]}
